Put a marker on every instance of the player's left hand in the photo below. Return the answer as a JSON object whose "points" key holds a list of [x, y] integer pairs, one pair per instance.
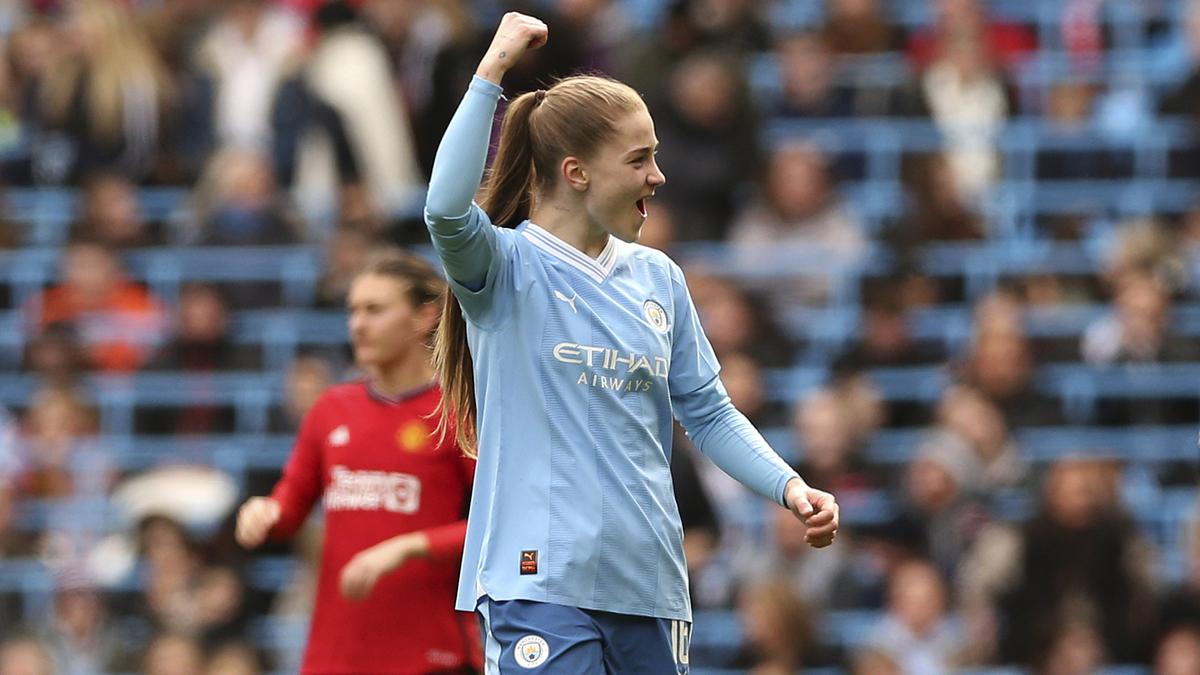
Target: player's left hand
{"points": [[818, 510], [360, 575]]}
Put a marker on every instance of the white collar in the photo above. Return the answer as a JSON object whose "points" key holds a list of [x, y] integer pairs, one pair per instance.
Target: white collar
{"points": [[598, 269]]}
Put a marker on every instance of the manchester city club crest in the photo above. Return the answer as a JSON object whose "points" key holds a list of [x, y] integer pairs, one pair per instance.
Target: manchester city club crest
{"points": [[655, 314], [531, 651]]}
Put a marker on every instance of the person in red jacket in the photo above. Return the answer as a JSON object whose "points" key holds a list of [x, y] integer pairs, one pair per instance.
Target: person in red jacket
{"points": [[394, 493]]}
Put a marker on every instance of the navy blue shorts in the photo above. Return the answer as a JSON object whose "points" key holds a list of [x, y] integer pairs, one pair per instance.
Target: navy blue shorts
{"points": [[522, 636]]}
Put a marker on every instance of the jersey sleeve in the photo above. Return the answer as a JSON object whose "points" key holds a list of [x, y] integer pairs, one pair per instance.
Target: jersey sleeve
{"points": [[703, 407], [470, 247], [302, 481]]}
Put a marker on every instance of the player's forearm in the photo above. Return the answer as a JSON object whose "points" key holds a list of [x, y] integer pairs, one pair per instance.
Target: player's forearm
{"points": [[293, 510], [728, 438], [459, 164], [459, 233]]}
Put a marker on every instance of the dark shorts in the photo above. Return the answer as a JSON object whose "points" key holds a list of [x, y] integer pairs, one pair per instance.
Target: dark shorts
{"points": [[521, 636]]}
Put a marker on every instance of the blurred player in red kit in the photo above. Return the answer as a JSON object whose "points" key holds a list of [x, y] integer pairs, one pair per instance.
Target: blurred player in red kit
{"points": [[394, 493]]}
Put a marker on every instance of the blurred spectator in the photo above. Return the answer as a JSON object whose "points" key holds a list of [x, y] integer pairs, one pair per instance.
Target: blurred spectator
{"points": [[800, 214], [1000, 366], [238, 204], [857, 27], [1178, 652], [59, 460], [25, 655], [14, 128], [976, 420], [916, 630], [604, 26], [1139, 328], [118, 321], [345, 255], [828, 581], [112, 216], [648, 64], [872, 661], [808, 77], [15, 541], [941, 209], [253, 46], [884, 337], [734, 323], [1069, 108], [234, 658], [829, 446], [780, 630], [1075, 650], [108, 93], [1144, 246], [959, 21], [177, 28], [968, 101], [800, 206], [173, 654], [1180, 602], [201, 341], [732, 26], [55, 356], [1184, 98], [1080, 519], [940, 516], [373, 112], [709, 144], [307, 377], [79, 634], [182, 594], [743, 381]]}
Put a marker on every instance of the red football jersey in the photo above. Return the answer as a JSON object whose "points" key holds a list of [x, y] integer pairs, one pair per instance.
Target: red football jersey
{"points": [[379, 471]]}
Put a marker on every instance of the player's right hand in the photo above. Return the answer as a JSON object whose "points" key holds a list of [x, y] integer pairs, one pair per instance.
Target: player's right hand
{"points": [[516, 34], [255, 519]]}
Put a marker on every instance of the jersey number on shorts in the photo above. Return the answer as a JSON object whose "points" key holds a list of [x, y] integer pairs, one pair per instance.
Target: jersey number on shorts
{"points": [[681, 638]]}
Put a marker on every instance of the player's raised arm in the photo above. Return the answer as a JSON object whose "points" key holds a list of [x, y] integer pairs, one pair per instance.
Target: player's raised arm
{"points": [[459, 232]]}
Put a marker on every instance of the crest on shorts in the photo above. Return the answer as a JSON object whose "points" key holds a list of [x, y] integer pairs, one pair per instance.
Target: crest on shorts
{"points": [[531, 651], [655, 314]]}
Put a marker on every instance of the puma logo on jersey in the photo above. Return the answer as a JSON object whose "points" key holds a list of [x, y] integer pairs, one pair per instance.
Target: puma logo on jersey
{"points": [[340, 436], [570, 301]]}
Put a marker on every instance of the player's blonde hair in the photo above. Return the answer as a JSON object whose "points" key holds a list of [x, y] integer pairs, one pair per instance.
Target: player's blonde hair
{"points": [[572, 118]]}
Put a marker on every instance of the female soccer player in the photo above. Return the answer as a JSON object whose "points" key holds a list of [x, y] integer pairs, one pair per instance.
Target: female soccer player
{"points": [[582, 345], [394, 495]]}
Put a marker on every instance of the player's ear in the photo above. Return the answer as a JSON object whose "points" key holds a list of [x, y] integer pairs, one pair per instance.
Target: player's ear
{"points": [[574, 173]]}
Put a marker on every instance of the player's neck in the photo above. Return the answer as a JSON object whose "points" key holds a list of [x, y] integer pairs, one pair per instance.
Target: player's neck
{"points": [[408, 373], [571, 226]]}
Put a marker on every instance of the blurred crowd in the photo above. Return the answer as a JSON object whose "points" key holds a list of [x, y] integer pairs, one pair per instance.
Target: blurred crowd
{"points": [[311, 123]]}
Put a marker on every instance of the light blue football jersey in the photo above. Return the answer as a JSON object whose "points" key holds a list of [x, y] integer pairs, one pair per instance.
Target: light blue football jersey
{"points": [[580, 366]]}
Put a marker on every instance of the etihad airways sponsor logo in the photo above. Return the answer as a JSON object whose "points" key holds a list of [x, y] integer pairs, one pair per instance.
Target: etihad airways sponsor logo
{"points": [[608, 358]]}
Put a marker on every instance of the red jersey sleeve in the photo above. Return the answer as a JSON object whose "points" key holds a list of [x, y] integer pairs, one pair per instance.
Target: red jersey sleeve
{"points": [[302, 481], [446, 541]]}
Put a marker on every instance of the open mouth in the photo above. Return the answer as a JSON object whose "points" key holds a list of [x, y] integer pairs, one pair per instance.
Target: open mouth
{"points": [[641, 206]]}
